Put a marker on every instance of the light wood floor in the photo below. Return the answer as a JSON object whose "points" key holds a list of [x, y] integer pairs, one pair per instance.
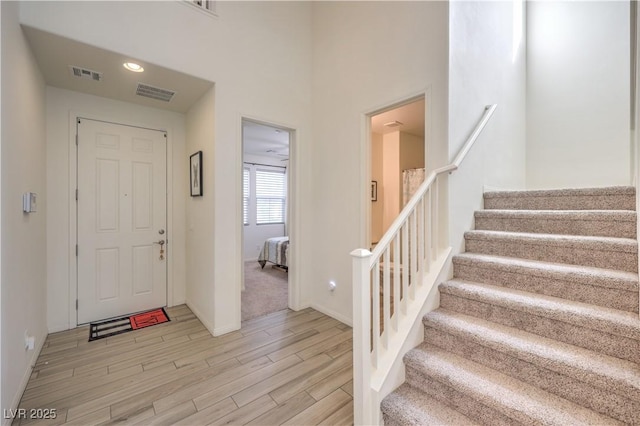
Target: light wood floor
{"points": [[285, 368]]}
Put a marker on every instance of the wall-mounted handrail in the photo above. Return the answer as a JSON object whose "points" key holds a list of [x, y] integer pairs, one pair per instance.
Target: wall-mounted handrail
{"points": [[488, 112], [401, 271]]}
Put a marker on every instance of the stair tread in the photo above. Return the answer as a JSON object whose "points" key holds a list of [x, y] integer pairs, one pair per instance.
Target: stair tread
{"points": [[412, 407], [618, 215], [556, 326], [610, 278], [600, 370], [608, 320], [570, 192], [609, 243], [522, 402]]}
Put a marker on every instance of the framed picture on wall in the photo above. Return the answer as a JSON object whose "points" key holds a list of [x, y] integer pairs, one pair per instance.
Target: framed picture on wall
{"points": [[374, 190], [195, 174]]}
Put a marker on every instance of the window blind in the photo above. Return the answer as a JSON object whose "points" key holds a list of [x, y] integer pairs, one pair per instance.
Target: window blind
{"points": [[270, 196], [245, 194]]}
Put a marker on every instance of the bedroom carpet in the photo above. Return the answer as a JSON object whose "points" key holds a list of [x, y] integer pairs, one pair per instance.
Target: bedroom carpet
{"points": [[266, 290], [539, 324]]}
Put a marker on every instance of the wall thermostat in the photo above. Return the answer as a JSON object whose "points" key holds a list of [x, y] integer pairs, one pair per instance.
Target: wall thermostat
{"points": [[29, 202]]}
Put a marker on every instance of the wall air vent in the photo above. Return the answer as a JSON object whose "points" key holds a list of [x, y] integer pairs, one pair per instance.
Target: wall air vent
{"points": [[154, 92], [85, 73]]}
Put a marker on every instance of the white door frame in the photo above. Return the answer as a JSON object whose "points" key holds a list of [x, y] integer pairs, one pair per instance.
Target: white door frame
{"points": [[73, 213], [365, 152], [293, 205]]}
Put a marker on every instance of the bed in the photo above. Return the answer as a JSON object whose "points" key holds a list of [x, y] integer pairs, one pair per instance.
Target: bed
{"points": [[276, 251]]}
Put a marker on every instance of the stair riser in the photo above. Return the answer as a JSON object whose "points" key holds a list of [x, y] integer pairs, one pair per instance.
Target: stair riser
{"points": [[461, 402], [578, 202], [614, 345], [389, 421], [585, 394], [605, 228], [577, 291], [575, 254], [410, 406]]}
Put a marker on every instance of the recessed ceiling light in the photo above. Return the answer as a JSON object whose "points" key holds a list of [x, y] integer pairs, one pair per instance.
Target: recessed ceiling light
{"points": [[132, 66]]}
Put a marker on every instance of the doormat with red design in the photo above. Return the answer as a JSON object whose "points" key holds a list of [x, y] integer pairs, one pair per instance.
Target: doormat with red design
{"points": [[112, 327]]}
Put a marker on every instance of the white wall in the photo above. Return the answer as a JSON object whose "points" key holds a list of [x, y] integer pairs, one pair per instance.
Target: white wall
{"points": [[200, 217], [258, 54], [24, 256], [578, 94], [62, 106], [485, 67], [367, 55]]}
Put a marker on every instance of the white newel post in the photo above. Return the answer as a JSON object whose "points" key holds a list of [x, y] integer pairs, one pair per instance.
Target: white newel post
{"points": [[362, 400]]}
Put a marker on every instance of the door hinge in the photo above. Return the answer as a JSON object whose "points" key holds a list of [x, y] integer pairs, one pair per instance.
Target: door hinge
{"points": [[76, 304], [76, 195], [76, 139], [76, 250]]}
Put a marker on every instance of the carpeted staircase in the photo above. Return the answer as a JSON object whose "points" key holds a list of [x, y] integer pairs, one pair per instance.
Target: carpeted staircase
{"points": [[539, 324]]}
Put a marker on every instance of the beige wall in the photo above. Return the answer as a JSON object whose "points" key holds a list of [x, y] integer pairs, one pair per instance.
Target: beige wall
{"points": [[24, 239], [391, 178], [400, 151], [376, 174], [412, 155]]}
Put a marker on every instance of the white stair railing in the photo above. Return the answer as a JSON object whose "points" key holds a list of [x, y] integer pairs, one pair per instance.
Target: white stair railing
{"points": [[387, 280]]}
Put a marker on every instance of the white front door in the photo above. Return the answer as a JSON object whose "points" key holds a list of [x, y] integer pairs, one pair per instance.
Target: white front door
{"points": [[122, 216]]}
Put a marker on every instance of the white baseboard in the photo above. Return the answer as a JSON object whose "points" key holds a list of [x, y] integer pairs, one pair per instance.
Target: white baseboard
{"points": [[25, 379], [201, 317], [343, 319], [58, 328], [219, 331], [213, 330]]}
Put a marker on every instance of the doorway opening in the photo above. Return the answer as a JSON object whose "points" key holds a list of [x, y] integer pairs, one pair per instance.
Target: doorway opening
{"points": [[397, 162], [266, 201]]}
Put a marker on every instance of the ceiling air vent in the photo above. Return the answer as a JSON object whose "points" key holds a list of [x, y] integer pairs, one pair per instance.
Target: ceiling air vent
{"points": [[154, 92], [85, 73], [394, 123]]}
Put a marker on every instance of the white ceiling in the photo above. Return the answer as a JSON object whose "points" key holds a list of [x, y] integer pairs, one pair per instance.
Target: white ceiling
{"points": [[411, 116], [265, 140], [55, 54]]}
